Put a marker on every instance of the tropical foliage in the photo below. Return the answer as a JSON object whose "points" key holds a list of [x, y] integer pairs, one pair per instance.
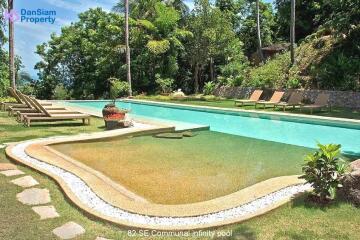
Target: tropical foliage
{"points": [[174, 47], [324, 171]]}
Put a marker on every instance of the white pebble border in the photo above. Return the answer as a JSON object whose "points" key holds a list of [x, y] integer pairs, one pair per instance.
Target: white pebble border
{"points": [[91, 200]]}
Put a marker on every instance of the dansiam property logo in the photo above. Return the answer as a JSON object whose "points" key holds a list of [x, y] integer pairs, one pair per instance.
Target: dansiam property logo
{"points": [[31, 16]]}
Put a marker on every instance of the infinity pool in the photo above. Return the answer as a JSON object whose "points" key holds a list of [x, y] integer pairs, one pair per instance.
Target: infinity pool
{"points": [[298, 131]]}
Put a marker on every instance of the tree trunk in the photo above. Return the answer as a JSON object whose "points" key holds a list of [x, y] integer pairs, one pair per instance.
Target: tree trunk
{"points": [[11, 48], [128, 67], [212, 76], [196, 78], [292, 32], [259, 31]]}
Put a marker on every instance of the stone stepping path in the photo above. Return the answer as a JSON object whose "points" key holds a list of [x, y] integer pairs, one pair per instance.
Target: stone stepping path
{"points": [[10, 173], [101, 238], [7, 166], [25, 182], [34, 196], [46, 212], [69, 230]]}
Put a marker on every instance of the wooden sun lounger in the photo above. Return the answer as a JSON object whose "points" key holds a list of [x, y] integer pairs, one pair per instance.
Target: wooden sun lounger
{"points": [[30, 108], [294, 100], [48, 116], [255, 96], [18, 103], [321, 101], [275, 99], [37, 112]]}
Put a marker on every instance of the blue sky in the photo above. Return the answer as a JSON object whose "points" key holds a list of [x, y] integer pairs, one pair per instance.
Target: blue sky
{"points": [[29, 35]]}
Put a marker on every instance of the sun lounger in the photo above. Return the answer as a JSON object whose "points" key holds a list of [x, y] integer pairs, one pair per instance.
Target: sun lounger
{"points": [[275, 99], [321, 101], [255, 96], [48, 116], [294, 100], [17, 103], [36, 111], [30, 108]]}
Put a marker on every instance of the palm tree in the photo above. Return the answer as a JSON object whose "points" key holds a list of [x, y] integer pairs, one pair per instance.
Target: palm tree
{"points": [[292, 32], [11, 47], [128, 59], [259, 30]]}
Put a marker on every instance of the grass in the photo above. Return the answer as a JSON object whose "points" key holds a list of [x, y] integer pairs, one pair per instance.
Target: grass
{"points": [[229, 103], [295, 220]]}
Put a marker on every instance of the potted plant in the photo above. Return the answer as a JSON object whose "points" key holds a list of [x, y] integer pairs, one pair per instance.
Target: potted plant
{"points": [[113, 115]]}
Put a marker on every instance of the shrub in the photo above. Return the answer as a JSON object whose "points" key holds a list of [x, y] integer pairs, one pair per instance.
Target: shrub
{"points": [[61, 93], [324, 171], [209, 88], [273, 74], [165, 84], [118, 88]]}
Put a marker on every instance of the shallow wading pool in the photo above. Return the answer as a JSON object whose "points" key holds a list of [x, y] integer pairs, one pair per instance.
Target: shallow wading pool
{"points": [[188, 170]]}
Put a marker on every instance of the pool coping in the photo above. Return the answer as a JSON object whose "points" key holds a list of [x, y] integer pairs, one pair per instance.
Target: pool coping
{"points": [[236, 111], [100, 185]]}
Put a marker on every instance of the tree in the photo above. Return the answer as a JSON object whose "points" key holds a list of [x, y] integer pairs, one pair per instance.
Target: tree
{"points": [[128, 59], [12, 72], [3, 6], [248, 33], [83, 56], [214, 43], [259, 31], [292, 33]]}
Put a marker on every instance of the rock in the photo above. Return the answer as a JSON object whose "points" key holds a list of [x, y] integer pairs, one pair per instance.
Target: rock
{"points": [[34, 196], [7, 166], [189, 134], [355, 165], [172, 135], [351, 187], [25, 182], [10, 173], [46, 212], [178, 94], [69, 230]]}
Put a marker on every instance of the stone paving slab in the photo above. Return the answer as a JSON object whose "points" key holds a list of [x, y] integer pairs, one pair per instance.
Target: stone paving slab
{"points": [[46, 212], [101, 238], [69, 230], [25, 182], [34, 196], [7, 166], [2, 146], [10, 173]]}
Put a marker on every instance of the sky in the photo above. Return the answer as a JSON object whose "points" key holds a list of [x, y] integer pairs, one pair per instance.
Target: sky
{"points": [[28, 34]]}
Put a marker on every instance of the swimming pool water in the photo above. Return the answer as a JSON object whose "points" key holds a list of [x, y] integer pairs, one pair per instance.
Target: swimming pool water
{"points": [[300, 133]]}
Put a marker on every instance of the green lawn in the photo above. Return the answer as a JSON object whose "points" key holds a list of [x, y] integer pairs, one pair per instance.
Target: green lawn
{"points": [[295, 220], [229, 103]]}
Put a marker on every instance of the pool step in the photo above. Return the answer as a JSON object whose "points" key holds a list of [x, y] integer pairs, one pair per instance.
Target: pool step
{"points": [[179, 126]]}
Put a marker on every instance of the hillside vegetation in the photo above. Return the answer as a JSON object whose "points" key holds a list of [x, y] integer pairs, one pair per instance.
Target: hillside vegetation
{"points": [[324, 60]]}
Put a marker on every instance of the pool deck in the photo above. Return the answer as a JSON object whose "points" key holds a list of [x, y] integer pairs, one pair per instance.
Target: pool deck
{"points": [[120, 198]]}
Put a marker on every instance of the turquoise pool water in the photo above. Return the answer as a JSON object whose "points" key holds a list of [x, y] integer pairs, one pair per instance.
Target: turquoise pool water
{"points": [[290, 130]]}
